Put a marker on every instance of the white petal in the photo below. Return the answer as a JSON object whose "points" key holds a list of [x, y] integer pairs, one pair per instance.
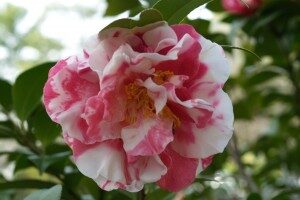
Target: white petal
{"points": [[213, 56]]}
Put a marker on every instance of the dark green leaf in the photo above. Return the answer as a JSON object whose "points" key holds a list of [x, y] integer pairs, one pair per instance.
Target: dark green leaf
{"points": [[53, 193], [200, 25], [286, 193], [116, 7], [254, 196], [44, 129], [146, 17], [25, 184], [160, 194], [44, 161], [215, 6], [118, 194], [6, 130], [28, 88], [175, 11], [22, 162], [5, 95]]}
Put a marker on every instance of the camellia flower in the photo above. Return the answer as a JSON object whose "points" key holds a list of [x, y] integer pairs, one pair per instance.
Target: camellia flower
{"points": [[242, 7], [143, 105]]}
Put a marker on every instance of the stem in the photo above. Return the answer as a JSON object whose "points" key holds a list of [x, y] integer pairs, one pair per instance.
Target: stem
{"points": [[233, 148]]}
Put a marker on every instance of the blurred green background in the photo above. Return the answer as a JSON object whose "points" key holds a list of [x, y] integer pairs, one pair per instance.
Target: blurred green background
{"points": [[262, 160]]}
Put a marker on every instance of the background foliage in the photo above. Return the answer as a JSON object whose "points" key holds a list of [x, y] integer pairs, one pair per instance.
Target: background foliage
{"points": [[262, 160]]}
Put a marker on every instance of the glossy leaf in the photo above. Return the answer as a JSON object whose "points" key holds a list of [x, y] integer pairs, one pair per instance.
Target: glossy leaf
{"points": [[175, 11], [43, 162], [5, 95], [6, 129], [28, 88], [44, 129], [53, 193], [25, 184], [116, 6], [146, 17], [215, 6]]}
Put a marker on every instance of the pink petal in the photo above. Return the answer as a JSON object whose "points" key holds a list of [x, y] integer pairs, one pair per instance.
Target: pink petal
{"points": [[65, 94], [186, 61], [181, 171], [108, 165], [157, 93], [147, 137], [213, 57], [212, 138], [182, 29], [160, 38], [99, 129], [197, 109]]}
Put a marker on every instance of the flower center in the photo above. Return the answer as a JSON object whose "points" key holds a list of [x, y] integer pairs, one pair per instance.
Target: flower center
{"points": [[160, 77], [140, 104]]}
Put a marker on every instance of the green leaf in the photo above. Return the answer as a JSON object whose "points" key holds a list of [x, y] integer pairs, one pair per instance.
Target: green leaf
{"points": [[25, 184], [215, 6], [287, 193], [116, 7], [53, 193], [146, 17], [254, 196], [6, 129], [160, 194], [44, 129], [118, 194], [45, 161], [28, 88], [175, 11], [5, 95]]}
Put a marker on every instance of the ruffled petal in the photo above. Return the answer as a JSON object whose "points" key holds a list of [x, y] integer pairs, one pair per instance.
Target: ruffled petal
{"points": [[99, 129], [213, 56], [156, 92], [199, 110], [182, 29], [160, 38], [194, 142], [108, 165], [65, 94], [181, 171], [147, 137]]}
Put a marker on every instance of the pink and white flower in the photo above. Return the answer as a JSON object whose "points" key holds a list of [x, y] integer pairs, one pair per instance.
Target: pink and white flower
{"points": [[143, 105], [242, 7]]}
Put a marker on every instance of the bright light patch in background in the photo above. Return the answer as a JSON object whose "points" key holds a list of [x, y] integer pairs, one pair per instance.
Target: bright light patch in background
{"points": [[201, 13]]}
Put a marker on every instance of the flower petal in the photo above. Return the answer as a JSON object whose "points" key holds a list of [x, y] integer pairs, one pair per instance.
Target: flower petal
{"points": [[213, 56], [65, 94], [156, 92], [160, 38], [147, 137], [210, 139], [181, 171]]}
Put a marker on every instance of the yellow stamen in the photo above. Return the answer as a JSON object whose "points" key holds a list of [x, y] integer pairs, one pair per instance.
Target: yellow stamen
{"points": [[139, 102], [160, 77]]}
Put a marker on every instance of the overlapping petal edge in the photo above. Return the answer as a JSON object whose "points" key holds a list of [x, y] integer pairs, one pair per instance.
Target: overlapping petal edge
{"points": [[143, 105]]}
